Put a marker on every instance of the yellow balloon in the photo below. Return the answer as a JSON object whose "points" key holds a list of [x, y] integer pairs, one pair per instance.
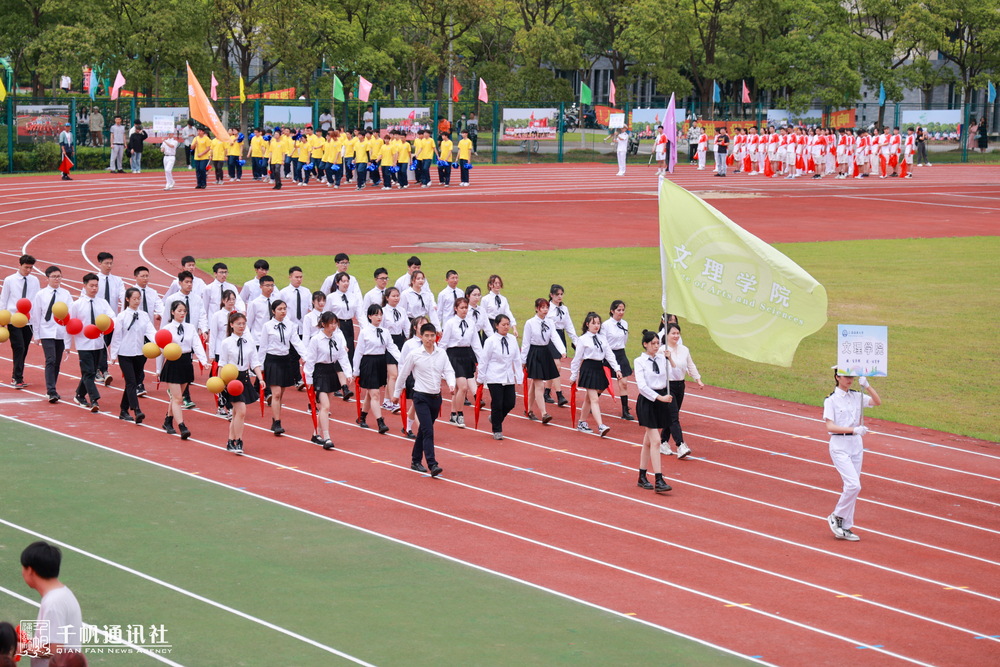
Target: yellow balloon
{"points": [[4, 318], [19, 320], [103, 322], [60, 310], [228, 373], [4, 335], [216, 385], [151, 350], [172, 352]]}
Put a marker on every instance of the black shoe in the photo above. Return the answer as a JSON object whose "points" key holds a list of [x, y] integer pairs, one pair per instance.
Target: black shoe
{"points": [[361, 422], [139, 416], [347, 394], [125, 417], [185, 433], [53, 398], [546, 418], [317, 440], [627, 415], [644, 484], [338, 393], [411, 435], [239, 447], [661, 486], [418, 467], [328, 445], [81, 401], [382, 428], [168, 426], [94, 408], [140, 390], [531, 416], [562, 400], [548, 396], [231, 446], [435, 470], [276, 427], [468, 404]]}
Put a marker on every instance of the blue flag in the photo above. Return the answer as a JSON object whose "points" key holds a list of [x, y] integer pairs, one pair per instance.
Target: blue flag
{"points": [[991, 91], [881, 95], [93, 84], [717, 93]]}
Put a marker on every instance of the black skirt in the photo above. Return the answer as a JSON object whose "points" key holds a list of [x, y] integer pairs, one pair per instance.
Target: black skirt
{"points": [[249, 395], [280, 371], [463, 361], [622, 363], [592, 376], [400, 340], [540, 364], [653, 414], [178, 372], [325, 378], [373, 373]]}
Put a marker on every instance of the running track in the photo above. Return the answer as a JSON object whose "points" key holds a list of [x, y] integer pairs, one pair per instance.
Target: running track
{"points": [[737, 555]]}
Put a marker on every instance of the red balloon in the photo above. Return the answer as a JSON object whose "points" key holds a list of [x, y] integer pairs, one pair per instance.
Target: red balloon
{"points": [[74, 326], [163, 337], [61, 323], [111, 327], [24, 306], [91, 331], [235, 388]]}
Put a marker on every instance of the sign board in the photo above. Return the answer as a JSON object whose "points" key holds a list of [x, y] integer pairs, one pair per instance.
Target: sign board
{"points": [[164, 124], [616, 120], [862, 349]]}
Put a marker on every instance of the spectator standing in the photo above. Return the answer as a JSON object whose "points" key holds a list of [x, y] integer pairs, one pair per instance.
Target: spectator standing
{"points": [[96, 128], [984, 141], [135, 140], [325, 120], [169, 148], [66, 144], [82, 126], [117, 146], [473, 126], [922, 139], [59, 610], [369, 119], [693, 135], [188, 133]]}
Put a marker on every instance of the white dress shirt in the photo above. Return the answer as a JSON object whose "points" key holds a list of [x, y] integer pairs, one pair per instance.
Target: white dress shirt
{"points": [[197, 287], [304, 300], [195, 312], [404, 281], [86, 310], [458, 332], [683, 364], [244, 357], [373, 341], [416, 304], [615, 333], [538, 332], [17, 287], [844, 408], [250, 291], [353, 286], [151, 302], [213, 297], [500, 363], [394, 320], [111, 289], [310, 325], [186, 336], [132, 327], [279, 337], [345, 305], [496, 304], [559, 315], [590, 346], [217, 328], [446, 303], [651, 374], [477, 316], [323, 349], [48, 329], [428, 369], [259, 312], [374, 295]]}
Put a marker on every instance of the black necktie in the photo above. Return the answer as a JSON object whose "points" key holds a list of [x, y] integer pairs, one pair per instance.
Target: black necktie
{"points": [[656, 369], [269, 313], [135, 316], [332, 346], [24, 288], [597, 342], [239, 344], [622, 328], [92, 320], [420, 296], [144, 306], [454, 296], [107, 288], [395, 314], [503, 344], [281, 331], [298, 305], [346, 304], [187, 311], [462, 326], [222, 291], [48, 313], [378, 330], [498, 300], [180, 332]]}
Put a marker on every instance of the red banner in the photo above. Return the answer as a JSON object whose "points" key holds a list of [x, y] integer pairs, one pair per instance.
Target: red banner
{"points": [[839, 119], [601, 114], [283, 94]]}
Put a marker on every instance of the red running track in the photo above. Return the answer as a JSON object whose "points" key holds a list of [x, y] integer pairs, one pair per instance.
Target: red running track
{"points": [[737, 555]]}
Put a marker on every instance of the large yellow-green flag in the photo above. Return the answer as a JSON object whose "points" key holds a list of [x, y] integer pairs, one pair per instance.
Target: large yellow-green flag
{"points": [[755, 302]]}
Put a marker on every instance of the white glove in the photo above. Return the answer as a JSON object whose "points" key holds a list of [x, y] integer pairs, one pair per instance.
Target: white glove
{"points": [[861, 430], [863, 381]]}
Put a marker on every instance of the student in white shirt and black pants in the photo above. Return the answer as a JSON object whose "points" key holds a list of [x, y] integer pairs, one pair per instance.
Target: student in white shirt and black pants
{"points": [[132, 327], [20, 285], [500, 370], [429, 364], [86, 309], [51, 335]]}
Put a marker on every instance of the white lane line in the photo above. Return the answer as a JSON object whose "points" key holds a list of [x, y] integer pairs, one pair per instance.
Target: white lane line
{"points": [[107, 637], [373, 533]]}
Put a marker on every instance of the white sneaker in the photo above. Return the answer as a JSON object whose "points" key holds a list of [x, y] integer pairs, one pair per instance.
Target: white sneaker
{"points": [[835, 526], [395, 408], [665, 449], [928, 164], [849, 536], [190, 168], [453, 420], [683, 451], [461, 421], [583, 427], [603, 430]]}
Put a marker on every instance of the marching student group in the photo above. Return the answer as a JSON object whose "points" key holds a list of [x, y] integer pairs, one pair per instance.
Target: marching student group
{"points": [[329, 157], [795, 152]]}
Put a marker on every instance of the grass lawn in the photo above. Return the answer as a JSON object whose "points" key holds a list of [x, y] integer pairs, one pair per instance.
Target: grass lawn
{"points": [[940, 299], [380, 601]]}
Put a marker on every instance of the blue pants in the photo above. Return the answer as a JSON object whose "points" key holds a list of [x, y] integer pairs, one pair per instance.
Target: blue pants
{"points": [[362, 174], [297, 171], [349, 168], [425, 171], [256, 165], [201, 172], [444, 174], [333, 175], [464, 167], [386, 177], [427, 407], [374, 175], [235, 169], [401, 176]]}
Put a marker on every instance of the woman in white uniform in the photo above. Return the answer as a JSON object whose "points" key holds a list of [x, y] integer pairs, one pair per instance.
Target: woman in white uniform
{"points": [[588, 365], [843, 413], [280, 368], [177, 375], [500, 370], [651, 375], [615, 333], [681, 365], [559, 318], [326, 363], [460, 341], [240, 350]]}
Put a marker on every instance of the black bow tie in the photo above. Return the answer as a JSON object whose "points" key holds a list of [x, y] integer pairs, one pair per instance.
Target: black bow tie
{"points": [[619, 325], [281, 331], [498, 300], [656, 369], [344, 297], [395, 313], [545, 327], [463, 325], [504, 345], [597, 342], [180, 332], [420, 296], [559, 311], [475, 314], [378, 330], [333, 346], [239, 344], [135, 318]]}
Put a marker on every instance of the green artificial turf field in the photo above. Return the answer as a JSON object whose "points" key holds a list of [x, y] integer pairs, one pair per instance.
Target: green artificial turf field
{"points": [[940, 299], [377, 600]]}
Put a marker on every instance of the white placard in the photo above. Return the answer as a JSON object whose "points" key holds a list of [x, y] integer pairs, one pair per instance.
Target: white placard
{"points": [[862, 350], [616, 120], [163, 124]]}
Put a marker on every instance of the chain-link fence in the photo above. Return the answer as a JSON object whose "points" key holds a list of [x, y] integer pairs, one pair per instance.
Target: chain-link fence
{"points": [[502, 132]]}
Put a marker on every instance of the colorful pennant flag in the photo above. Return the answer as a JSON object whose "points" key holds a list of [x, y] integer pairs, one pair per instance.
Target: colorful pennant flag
{"points": [[3, 89], [119, 82], [93, 85], [670, 129], [585, 95], [201, 109], [991, 92], [611, 94], [717, 94], [484, 95], [881, 94], [456, 88], [215, 84], [243, 95], [338, 89], [746, 93], [364, 88]]}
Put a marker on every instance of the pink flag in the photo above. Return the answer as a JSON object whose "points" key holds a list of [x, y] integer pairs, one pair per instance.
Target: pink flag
{"points": [[746, 93], [670, 129], [119, 82], [484, 95], [364, 87], [214, 84], [611, 95]]}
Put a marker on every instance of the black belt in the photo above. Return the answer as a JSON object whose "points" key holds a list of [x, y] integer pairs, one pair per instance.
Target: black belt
{"points": [[421, 393]]}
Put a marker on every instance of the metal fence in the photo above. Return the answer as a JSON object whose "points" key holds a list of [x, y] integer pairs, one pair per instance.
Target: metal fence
{"points": [[502, 132]]}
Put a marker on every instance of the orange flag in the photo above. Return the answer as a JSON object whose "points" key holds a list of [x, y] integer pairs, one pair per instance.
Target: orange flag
{"points": [[201, 109]]}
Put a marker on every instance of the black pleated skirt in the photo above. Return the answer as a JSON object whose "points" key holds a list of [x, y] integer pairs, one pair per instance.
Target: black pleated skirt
{"points": [[653, 414], [325, 378], [280, 371], [373, 373], [178, 372], [592, 375], [622, 363], [463, 361], [249, 395], [540, 364]]}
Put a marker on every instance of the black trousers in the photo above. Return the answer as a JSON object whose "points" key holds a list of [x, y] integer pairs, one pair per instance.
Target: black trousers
{"points": [[103, 366], [20, 339], [401, 176], [219, 166], [362, 173], [132, 371], [347, 328], [89, 359], [53, 349], [427, 407], [444, 174], [374, 176], [386, 177], [425, 171], [464, 167], [276, 175], [201, 173], [674, 408], [502, 401]]}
